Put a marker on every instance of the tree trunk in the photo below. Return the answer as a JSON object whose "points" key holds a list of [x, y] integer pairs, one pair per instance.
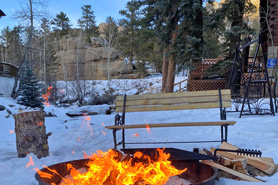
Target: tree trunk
{"points": [[2, 52], [172, 64], [44, 57], [264, 9], [165, 68], [245, 55], [31, 34], [199, 22], [79, 93], [66, 71], [31, 134], [237, 21], [40, 63]]}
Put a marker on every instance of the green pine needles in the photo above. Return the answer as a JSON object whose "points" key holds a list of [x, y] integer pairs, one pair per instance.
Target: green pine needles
{"points": [[29, 91]]}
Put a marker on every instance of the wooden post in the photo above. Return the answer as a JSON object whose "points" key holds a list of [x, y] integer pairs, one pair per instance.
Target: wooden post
{"points": [[31, 134]]}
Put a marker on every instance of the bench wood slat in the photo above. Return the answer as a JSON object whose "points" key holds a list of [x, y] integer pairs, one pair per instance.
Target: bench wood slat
{"points": [[180, 94], [174, 107], [174, 100], [154, 125]]}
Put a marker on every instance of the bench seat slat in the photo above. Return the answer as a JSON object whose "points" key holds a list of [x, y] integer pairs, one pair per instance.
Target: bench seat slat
{"points": [[180, 94], [174, 100], [173, 107], [153, 125]]}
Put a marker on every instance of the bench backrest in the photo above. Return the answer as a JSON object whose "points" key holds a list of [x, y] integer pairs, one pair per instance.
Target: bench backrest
{"points": [[174, 101]]}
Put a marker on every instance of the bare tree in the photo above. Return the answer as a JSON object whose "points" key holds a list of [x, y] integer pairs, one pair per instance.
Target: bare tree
{"points": [[110, 33], [31, 9]]}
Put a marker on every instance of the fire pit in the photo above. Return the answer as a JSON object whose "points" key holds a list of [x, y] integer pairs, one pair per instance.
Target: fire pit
{"points": [[197, 173]]}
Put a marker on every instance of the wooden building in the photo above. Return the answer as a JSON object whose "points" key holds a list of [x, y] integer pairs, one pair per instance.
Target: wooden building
{"points": [[2, 13], [273, 21], [8, 70]]}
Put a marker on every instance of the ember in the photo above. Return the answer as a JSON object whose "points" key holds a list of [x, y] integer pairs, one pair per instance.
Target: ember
{"points": [[112, 167]]}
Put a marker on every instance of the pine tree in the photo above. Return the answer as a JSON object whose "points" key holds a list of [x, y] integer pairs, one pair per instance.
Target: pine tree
{"points": [[129, 36], [87, 22], [62, 23], [29, 89]]}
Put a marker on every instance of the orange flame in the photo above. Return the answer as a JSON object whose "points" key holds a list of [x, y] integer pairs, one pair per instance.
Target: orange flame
{"points": [[136, 135], [73, 152], [78, 139], [11, 131], [103, 133], [43, 174], [88, 124], [106, 168], [40, 124], [31, 162], [148, 128], [85, 155], [47, 95]]}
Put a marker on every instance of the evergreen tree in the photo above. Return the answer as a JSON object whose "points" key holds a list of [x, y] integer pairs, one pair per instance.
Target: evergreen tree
{"points": [[62, 23], [232, 12], [87, 22], [29, 89], [129, 37]]}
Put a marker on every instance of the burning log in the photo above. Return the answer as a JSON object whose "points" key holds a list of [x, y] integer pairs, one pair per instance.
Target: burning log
{"points": [[114, 168], [31, 134]]}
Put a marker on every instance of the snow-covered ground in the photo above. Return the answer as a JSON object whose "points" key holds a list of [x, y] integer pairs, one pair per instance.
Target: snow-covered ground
{"points": [[6, 85], [73, 134]]}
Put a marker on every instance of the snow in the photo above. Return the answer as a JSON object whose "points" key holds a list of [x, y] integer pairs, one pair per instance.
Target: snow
{"points": [[73, 134], [6, 86]]}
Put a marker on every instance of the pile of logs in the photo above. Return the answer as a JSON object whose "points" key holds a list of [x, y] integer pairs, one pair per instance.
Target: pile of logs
{"points": [[241, 167]]}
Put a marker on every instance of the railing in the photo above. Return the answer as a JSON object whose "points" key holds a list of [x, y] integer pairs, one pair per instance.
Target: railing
{"points": [[179, 83]]}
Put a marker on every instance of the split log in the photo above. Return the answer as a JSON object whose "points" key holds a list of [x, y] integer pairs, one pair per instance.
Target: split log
{"points": [[238, 164], [233, 172], [31, 134], [264, 164]]}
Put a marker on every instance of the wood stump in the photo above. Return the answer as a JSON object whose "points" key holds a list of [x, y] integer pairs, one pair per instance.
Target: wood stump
{"points": [[31, 134]]}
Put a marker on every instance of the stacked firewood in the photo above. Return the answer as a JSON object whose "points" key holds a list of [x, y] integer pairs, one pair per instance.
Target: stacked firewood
{"points": [[239, 165]]}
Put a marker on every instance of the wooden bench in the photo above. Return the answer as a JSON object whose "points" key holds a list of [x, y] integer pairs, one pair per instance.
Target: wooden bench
{"points": [[172, 101]]}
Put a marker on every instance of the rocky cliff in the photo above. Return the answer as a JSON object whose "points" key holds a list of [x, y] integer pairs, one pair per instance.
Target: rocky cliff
{"points": [[89, 58]]}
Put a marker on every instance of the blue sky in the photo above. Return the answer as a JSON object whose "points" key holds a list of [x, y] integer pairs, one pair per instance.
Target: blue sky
{"points": [[72, 8]]}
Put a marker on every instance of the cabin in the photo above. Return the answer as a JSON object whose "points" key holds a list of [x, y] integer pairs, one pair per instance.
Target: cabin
{"points": [[8, 70], [2, 13]]}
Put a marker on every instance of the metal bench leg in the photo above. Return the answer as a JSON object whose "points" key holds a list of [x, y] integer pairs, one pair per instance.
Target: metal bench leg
{"points": [[226, 133], [123, 138], [224, 137], [115, 138], [222, 134]]}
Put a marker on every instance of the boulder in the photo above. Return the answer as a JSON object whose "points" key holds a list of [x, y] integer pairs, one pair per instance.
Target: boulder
{"points": [[98, 42]]}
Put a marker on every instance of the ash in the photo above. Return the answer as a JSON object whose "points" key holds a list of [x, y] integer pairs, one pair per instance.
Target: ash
{"points": [[175, 180]]}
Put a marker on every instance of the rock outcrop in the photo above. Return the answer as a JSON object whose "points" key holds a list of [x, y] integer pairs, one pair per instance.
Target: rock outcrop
{"points": [[92, 58]]}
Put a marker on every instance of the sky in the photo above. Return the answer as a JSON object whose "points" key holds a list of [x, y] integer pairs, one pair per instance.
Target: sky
{"points": [[72, 8]]}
